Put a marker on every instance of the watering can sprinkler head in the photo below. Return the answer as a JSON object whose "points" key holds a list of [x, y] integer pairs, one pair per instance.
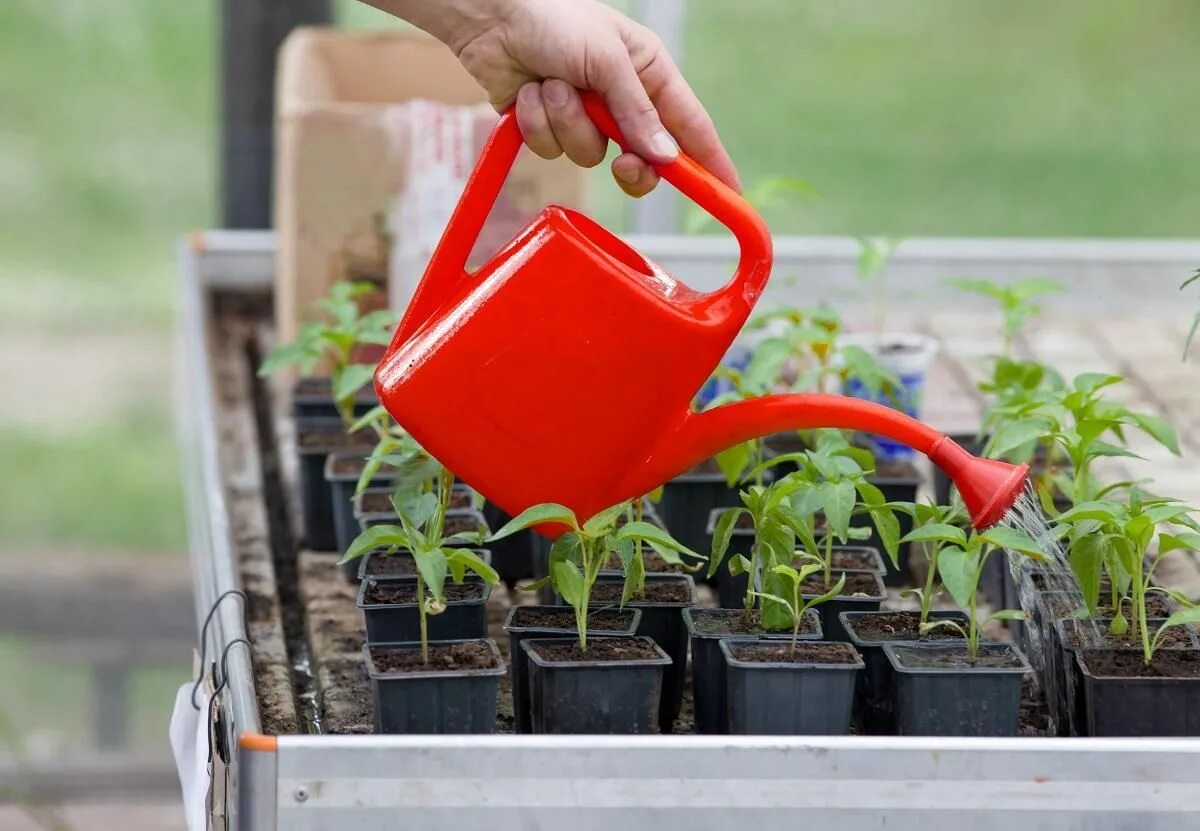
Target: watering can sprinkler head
{"points": [[989, 487]]}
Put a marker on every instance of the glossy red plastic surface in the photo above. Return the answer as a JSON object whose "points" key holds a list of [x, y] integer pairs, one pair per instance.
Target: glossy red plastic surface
{"points": [[563, 370]]}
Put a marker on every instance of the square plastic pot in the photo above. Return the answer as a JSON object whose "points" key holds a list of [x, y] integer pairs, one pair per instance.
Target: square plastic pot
{"points": [[312, 397], [788, 698], [594, 696], [956, 700], [663, 622], [316, 438], [517, 634], [831, 623], [400, 622], [512, 557], [1148, 707], [342, 483], [874, 695], [709, 669], [435, 701], [688, 499]]}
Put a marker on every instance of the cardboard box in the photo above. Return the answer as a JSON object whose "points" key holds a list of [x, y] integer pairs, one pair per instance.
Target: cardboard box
{"points": [[361, 181]]}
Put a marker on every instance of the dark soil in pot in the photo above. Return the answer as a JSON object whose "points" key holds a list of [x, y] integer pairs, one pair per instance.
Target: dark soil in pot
{"points": [[868, 632], [706, 629], [458, 521], [804, 688], [940, 691], [455, 692], [379, 500], [312, 397], [661, 603], [391, 616], [1126, 697], [315, 440], [1065, 688], [612, 688], [863, 592], [342, 471], [400, 565], [545, 622]]}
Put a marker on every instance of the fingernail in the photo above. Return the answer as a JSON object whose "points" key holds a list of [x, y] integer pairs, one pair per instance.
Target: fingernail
{"points": [[663, 145], [555, 94], [628, 175]]}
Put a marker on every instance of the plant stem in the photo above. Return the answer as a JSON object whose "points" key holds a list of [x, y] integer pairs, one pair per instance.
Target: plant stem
{"points": [[930, 578], [1140, 603], [828, 555], [421, 615]]}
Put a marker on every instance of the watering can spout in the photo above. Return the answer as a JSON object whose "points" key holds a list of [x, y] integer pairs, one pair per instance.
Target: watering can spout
{"points": [[988, 487]]}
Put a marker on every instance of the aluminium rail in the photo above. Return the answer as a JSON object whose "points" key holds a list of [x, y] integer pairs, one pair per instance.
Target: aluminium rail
{"points": [[588, 783]]}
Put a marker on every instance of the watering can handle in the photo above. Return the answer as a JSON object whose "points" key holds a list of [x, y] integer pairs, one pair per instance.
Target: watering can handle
{"points": [[733, 302]]}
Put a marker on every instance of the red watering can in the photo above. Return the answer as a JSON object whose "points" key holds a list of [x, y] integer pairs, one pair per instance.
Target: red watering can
{"points": [[563, 370]]}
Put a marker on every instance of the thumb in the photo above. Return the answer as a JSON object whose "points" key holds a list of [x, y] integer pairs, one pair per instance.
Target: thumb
{"points": [[632, 109]]}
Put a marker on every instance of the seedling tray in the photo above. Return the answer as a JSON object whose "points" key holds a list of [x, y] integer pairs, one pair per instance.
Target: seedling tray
{"points": [[277, 767]]}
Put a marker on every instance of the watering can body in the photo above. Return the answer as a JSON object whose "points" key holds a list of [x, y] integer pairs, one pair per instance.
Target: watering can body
{"points": [[563, 369]]}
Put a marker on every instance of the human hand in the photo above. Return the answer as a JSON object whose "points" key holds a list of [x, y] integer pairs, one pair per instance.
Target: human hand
{"points": [[541, 52]]}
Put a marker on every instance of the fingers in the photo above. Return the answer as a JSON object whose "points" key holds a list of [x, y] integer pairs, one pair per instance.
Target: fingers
{"points": [[552, 120], [633, 175], [683, 114], [611, 73]]}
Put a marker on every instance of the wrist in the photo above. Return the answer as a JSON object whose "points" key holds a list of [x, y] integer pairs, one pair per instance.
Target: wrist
{"points": [[458, 22]]}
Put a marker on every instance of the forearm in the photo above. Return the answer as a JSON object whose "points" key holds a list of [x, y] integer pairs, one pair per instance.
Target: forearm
{"points": [[453, 22]]}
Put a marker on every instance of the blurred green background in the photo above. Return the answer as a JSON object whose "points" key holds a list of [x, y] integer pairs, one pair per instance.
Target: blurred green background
{"points": [[910, 117]]}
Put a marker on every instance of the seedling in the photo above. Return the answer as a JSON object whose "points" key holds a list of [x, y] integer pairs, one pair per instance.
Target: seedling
{"points": [[812, 506], [1114, 538], [1074, 420], [873, 256], [797, 606], [1187, 344], [582, 551], [335, 338], [960, 564], [1016, 301], [420, 532], [935, 528]]}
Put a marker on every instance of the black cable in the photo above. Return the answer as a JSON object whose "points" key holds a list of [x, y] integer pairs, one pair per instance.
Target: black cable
{"points": [[217, 691], [204, 636]]}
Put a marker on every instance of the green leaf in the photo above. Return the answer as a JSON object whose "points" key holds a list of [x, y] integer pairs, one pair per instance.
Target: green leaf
{"points": [[653, 534], [1101, 511], [431, 564], [1183, 617], [733, 461], [838, 500], [722, 534], [1089, 382], [351, 379], [290, 354], [985, 288], [1187, 541], [545, 513], [1028, 287], [831, 593], [377, 536], [1007, 614], [473, 562], [774, 598], [635, 578], [937, 532], [1013, 540], [1087, 557], [1158, 429], [1015, 434], [956, 568], [367, 419], [888, 528], [738, 564], [568, 582], [604, 520]]}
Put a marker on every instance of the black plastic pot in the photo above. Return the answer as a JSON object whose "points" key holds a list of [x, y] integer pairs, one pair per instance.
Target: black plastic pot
{"points": [[900, 485], [663, 621], [708, 662], [830, 610], [399, 622], [873, 697], [366, 566], [342, 470], [436, 701], [687, 501], [518, 633], [939, 693], [792, 698], [312, 397], [594, 696], [512, 557], [316, 438], [1124, 706]]}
